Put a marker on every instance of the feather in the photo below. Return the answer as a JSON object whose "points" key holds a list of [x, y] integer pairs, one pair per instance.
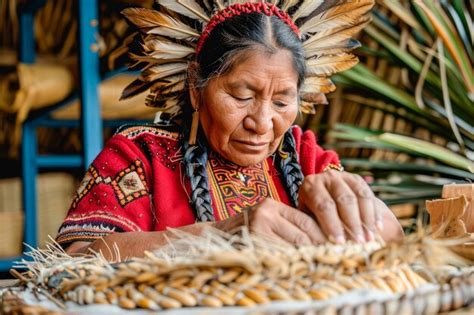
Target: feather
{"points": [[332, 48], [145, 59], [307, 108], [134, 88], [189, 8], [220, 5], [156, 100], [315, 98], [328, 65], [208, 4], [347, 13], [161, 49], [334, 36], [162, 71], [154, 22], [317, 84], [306, 8], [169, 85], [288, 4]]}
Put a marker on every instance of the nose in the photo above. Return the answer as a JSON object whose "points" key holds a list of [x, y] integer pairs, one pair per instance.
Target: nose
{"points": [[259, 119]]}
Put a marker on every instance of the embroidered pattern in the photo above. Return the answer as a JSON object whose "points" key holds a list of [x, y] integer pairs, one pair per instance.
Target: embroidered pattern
{"points": [[91, 179], [91, 226], [133, 132], [234, 188], [128, 185]]}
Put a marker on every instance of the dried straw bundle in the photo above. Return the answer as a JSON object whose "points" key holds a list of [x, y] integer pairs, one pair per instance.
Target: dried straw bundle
{"points": [[217, 269]]}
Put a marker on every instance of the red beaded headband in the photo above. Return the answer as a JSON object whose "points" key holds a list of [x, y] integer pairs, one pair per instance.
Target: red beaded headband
{"points": [[238, 9]]}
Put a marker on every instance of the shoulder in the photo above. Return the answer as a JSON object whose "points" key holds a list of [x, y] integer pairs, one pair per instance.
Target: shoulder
{"points": [[161, 142], [149, 130]]}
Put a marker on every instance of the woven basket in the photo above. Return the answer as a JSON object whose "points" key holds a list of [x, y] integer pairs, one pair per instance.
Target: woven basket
{"points": [[111, 108], [54, 193], [11, 233]]}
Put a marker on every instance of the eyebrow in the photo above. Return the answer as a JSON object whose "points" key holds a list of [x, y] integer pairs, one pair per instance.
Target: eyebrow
{"points": [[239, 84]]}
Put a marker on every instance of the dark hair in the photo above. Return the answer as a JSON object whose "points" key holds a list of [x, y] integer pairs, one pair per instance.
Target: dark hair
{"points": [[242, 33], [224, 46]]}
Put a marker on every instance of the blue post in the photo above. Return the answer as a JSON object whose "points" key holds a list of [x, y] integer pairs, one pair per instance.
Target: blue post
{"points": [[27, 39], [89, 81], [30, 171]]}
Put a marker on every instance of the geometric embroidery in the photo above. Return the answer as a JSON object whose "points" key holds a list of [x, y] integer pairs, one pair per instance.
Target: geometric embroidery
{"points": [[234, 188], [89, 180], [130, 183]]}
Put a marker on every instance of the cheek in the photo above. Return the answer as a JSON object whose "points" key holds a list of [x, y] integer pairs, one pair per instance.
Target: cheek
{"points": [[220, 118], [284, 121]]}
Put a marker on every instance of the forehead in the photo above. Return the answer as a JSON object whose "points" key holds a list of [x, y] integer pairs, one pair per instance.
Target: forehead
{"points": [[261, 65]]}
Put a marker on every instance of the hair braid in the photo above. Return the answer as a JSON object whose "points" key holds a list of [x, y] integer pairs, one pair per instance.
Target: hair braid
{"points": [[286, 160], [195, 160]]}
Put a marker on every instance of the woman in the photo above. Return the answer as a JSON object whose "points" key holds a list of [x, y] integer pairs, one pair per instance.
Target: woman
{"points": [[245, 164]]}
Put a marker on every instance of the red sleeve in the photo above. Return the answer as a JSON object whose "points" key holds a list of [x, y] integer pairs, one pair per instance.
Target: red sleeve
{"points": [[313, 158], [114, 195]]}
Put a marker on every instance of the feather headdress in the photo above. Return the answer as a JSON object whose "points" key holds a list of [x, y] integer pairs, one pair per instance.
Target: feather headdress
{"points": [[171, 41]]}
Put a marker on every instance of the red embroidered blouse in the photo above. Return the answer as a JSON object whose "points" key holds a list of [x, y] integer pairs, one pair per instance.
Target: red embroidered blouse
{"points": [[137, 183]]}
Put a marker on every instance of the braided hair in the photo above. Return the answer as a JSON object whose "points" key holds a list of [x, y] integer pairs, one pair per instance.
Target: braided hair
{"points": [[195, 160], [286, 161], [218, 54]]}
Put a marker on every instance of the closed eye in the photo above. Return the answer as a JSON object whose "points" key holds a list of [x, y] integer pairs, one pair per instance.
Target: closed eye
{"points": [[280, 104], [242, 99]]}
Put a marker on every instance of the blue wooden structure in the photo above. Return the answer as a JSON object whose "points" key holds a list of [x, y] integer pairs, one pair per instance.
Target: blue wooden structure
{"points": [[91, 122]]}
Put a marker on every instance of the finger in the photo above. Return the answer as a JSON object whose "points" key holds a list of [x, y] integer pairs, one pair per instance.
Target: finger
{"points": [[391, 229], [289, 232], [319, 202], [305, 223], [365, 198], [348, 209]]}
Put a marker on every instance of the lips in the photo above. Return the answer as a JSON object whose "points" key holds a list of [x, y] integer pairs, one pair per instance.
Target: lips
{"points": [[252, 144]]}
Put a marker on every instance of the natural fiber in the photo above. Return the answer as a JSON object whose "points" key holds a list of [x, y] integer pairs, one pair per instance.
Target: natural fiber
{"points": [[218, 269]]}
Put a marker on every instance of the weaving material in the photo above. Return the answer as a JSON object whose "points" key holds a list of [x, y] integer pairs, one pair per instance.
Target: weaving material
{"points": [[222, 270]]}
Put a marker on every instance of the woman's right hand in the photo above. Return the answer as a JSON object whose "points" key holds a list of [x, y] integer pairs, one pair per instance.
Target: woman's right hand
{"points": [[277, 220]]}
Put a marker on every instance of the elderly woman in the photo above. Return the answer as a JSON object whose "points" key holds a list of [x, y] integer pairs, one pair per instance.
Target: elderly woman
{"points": [[245, 164]]}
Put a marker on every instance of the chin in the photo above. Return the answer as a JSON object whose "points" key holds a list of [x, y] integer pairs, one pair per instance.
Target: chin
{"points": [[247, 159]]}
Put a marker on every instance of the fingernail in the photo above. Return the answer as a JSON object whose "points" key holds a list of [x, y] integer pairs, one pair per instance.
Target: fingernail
{"points": [[340, 239], [360, 238], [379, 225], [370, 236]]}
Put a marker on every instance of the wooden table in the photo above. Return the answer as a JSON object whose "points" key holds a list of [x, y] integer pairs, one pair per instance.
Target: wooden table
{"points": [[8, 283]]}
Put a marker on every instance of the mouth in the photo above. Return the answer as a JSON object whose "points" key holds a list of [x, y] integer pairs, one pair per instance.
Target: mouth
{"points": [[251, 146]]}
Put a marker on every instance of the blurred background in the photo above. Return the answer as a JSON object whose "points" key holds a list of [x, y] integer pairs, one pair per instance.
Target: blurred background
{"points": [[403, 118]]}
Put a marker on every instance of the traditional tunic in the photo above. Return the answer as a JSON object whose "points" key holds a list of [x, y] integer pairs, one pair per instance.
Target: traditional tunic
{"points": [[138, 183]]}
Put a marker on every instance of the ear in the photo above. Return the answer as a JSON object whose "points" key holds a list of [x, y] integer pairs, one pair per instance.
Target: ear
{"points": [[194, 91]]}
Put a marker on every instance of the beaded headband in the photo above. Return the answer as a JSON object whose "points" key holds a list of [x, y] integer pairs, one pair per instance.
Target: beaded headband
{"points": [[266, 8], [175, 34]]}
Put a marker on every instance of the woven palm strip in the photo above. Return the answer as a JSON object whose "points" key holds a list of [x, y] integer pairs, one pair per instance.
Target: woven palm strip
{"points": [[217, 270]]}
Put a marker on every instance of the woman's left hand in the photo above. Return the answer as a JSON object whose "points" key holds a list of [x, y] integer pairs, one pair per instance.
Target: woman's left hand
{"points": [[345, 207]]}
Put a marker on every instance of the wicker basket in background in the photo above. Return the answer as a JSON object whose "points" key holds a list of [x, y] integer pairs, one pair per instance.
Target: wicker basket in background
{"points": [[11, 233], [55, 192]]}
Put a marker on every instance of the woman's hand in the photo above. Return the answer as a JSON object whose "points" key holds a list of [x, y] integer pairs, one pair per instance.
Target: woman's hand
{"points": [[277, 220], [345, 207]]}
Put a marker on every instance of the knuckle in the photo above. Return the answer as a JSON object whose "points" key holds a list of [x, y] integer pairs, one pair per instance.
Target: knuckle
{"points": [[347, 199], [306, 224], [365, 192], [300, 239], [325, 205]]}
